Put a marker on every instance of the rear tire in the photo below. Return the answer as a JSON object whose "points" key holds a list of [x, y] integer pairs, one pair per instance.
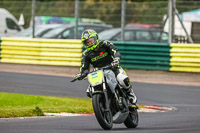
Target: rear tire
{"points": [[132, 119], [103, 117]]}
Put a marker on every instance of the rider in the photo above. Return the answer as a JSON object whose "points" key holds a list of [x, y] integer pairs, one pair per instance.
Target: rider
{"points": [[99, 54]]}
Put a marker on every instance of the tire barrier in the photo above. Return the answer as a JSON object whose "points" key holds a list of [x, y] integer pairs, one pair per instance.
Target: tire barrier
{"points": [[185, 57], [135, 55], [41, 51]]}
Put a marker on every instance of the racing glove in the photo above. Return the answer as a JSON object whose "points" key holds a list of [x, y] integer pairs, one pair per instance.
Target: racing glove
{"points": [[78, 76], [115, 62]]}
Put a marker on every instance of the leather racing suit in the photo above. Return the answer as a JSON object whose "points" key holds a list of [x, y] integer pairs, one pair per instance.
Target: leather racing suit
{"points": [[100, 58], [105, 55]]}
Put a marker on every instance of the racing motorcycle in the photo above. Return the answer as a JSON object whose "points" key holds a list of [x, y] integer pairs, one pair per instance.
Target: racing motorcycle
{"points": [[109, 100]]}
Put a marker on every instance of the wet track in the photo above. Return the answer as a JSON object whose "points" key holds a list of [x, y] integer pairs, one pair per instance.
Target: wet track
{"points": [[186, 119]]}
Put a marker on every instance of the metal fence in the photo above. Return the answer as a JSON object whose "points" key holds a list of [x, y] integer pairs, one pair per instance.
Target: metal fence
{"points": [[109, 12]]}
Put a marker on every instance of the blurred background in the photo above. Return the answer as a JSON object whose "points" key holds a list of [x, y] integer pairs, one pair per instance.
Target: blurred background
{"points": [[128, 20]]}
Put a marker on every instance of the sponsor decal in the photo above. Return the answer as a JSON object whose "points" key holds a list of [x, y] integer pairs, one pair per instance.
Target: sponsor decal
{"points": [[99, 57]]}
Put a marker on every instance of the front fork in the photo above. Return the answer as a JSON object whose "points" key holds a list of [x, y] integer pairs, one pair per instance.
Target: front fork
{"points": [[106, 97]]}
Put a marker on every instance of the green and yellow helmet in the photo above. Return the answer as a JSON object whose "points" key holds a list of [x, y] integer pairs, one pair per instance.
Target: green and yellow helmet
{"points": [[87, 34]]}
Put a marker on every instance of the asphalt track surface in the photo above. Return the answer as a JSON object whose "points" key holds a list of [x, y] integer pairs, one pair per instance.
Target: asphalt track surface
{"points": [[185, 119]]}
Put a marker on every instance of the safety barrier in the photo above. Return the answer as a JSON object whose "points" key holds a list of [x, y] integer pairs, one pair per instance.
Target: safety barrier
{"points": [[0, 50], [137, 55], [185, 57], [41, 51]]}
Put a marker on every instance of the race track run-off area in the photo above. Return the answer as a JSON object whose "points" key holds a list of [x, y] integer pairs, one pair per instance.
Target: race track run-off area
{"points": [[168, 108]]}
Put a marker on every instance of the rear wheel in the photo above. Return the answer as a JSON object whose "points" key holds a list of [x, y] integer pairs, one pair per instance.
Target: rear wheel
{"points": [[103, 117], [132, 119]]}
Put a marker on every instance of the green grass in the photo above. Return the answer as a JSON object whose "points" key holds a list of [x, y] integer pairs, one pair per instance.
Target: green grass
{"points": [[20, 105]]}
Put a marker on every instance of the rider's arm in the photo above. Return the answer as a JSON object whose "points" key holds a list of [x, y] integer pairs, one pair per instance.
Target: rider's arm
{"points": [[85, 64], [112, 49]]}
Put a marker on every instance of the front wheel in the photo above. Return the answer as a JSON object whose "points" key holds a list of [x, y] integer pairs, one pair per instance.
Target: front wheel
{"points": [[132, 119], [103, 117]]}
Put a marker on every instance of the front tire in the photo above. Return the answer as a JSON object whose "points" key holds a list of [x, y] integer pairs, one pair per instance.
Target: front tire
{"points": [[103, 117], [132, 119]]}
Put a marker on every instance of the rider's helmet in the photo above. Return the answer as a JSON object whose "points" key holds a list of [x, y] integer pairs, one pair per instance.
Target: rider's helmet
{"points": [[90, 39]]}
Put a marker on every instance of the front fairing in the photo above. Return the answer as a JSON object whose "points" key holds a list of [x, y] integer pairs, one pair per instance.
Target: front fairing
{"points": [[99, 77], [96, 78]]}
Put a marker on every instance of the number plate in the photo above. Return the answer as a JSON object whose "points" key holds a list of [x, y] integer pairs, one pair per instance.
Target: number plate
{"points": [[94, 75], [95, 78]]}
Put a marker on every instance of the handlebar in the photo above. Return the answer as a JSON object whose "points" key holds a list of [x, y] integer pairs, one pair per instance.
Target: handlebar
{"points": [[105, 67], [73, 80]]}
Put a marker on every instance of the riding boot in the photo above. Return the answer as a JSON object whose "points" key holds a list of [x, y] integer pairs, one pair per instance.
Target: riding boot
{"points": [[131, 95]]}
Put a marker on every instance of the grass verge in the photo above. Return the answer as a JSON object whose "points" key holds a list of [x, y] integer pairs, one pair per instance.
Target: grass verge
{"points": [[21, 105]]}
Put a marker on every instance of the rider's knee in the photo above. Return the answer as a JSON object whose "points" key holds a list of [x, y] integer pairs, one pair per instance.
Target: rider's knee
{"points": [[123, 80]]}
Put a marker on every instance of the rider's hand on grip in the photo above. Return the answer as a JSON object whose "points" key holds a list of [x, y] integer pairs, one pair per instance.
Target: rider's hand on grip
{"points": [[78, 76], [115, 63]]}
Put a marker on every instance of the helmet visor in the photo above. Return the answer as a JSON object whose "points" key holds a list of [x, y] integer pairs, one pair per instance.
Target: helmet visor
{"points": [[90, 41]]}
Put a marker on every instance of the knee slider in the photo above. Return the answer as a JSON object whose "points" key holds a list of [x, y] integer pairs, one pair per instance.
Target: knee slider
{"points": [[123, 80], [127, 82]]}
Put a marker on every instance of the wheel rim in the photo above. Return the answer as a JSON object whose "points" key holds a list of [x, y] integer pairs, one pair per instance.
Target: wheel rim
{"points": [[134, 116], [106, 114], [107, 117]]}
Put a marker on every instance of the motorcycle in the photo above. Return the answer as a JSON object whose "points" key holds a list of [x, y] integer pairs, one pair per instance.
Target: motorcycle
{"points": [[109, 100]]}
